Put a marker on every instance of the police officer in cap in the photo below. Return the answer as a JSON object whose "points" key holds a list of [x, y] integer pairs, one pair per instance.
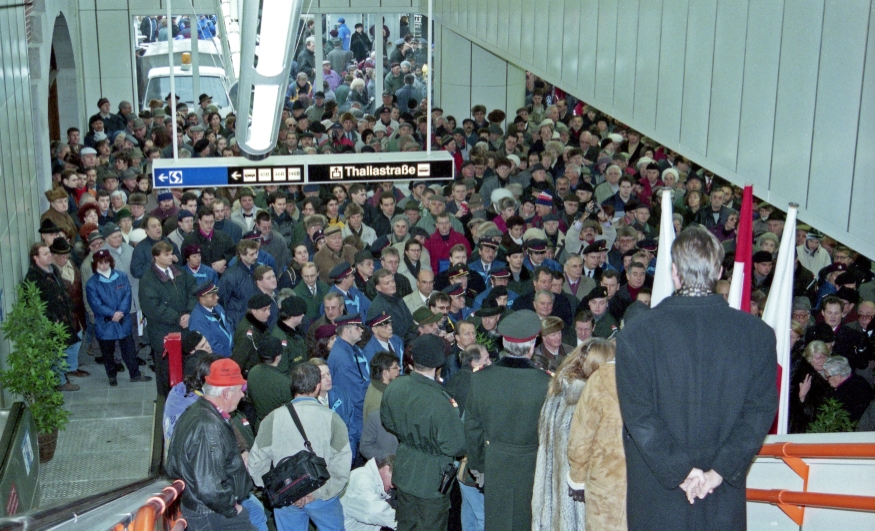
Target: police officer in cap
{"points": [[430, 435], [501, 425]]}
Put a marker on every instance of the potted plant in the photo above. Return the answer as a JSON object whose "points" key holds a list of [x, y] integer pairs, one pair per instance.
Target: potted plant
{"points": [[832, 418], [32, 366]]}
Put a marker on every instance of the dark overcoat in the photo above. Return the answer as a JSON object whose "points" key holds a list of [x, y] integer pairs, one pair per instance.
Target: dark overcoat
{"points": [[501, 429], [696, 383]]}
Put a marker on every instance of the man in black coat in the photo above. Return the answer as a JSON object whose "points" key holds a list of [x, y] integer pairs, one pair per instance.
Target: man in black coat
{"points": [[167, 300], [542, 279], [217, 248], [692, 345], [59, 307]]}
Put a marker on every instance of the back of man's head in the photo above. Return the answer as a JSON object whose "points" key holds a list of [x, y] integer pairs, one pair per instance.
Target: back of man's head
{"points": [[305, 378]]}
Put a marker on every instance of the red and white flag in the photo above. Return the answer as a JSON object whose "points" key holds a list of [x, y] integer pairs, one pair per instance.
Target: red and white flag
{"points": [[739, 288], [778, 313], [663, 286]]}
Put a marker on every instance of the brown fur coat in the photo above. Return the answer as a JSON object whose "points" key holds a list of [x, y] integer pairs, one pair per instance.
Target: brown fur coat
{"points": [[595, 452]]}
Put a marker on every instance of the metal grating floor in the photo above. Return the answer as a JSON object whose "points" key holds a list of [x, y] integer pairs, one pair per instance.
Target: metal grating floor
{"points": [[108, 440]]}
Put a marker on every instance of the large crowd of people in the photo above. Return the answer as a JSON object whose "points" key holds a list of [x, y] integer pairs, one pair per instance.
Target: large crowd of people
{"points": [[384, 311]]}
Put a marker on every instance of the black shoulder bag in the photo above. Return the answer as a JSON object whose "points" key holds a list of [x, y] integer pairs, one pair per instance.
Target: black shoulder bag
{"points": [[297, 475]]}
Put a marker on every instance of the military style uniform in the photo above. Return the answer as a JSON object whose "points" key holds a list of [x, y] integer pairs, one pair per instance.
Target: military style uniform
{"points": [[269, 388], [501, 428], [295, 347], [431, 435]]}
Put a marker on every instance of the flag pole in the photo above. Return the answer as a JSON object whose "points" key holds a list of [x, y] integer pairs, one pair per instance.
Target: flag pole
{"points": [[739, 288], [778, 313], [663, 286]]}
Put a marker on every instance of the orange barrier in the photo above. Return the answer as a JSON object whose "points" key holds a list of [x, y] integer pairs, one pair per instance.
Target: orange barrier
{"points": [[793, 503], [822, 450], [156, 506]]}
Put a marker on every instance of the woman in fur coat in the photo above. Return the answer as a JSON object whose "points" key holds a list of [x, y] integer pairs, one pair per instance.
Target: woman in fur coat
{"points": [[597, 462], [552, 507]]}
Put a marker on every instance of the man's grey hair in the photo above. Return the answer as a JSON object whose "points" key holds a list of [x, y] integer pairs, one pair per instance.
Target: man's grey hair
{"points": [[543, 292], [698, 257], [518, 350], [211, 390], [119, 193], [837, 366], [389, 251], [400, 218]]}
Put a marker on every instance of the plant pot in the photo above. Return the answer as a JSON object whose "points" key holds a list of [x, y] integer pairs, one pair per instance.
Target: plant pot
{"points": [[48, 443]]}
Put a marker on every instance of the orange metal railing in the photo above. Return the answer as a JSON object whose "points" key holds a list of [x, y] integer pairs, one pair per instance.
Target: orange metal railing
{"points": [[157, 506], [793, 503]]}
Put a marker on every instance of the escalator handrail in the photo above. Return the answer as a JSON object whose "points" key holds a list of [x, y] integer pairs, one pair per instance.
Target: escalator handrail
{"points": [[57, 514]]}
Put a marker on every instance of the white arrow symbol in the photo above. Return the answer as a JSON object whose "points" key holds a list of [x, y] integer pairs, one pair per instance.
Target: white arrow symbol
{"points": [[236, 175], [162, 177]]}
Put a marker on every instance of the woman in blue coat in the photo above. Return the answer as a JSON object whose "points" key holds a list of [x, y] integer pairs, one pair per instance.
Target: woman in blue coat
{"points": [[109, 294]]}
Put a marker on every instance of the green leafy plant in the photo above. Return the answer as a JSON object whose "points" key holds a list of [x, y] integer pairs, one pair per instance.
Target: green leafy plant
{"points": [[36, 357], [832, 418]]}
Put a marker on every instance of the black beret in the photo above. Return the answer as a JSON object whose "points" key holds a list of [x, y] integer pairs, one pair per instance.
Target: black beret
{"points": [[762, 256], [293, 306], [258, 301], [269, 347]]}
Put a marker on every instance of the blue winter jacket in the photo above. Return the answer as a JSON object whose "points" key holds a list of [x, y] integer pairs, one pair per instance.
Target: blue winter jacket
{"points": [[340, 403], [351, 372], [107, 296], [220, 340], [236, 286]]}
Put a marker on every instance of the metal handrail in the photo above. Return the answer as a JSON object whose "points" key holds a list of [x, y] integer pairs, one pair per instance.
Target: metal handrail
{"points": [[812, 499], [819, 450], [156, 506]]}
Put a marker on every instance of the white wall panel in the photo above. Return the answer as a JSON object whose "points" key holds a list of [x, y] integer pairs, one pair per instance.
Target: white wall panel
{"points": [[555, 37], [482, 17], [627, 45], [727, 76], [502, 24], [647, 63], [606, 52], [527, 32], [515, 35], [759, 93], [586, 59], [492, 25], [699, 60], [570, 43], [541, 48], [837, 110], [797, 91], [671, 69], [862, 215]]}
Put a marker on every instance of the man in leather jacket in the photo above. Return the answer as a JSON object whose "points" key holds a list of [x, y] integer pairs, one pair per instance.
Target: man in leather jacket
{"points": [[205, 454]]}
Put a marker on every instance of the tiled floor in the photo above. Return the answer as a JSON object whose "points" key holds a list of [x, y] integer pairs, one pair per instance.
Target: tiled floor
{"points": [[108, 441]]}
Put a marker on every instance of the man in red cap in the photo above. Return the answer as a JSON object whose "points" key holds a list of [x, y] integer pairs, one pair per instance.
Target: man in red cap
{"points": [[203, 452]]}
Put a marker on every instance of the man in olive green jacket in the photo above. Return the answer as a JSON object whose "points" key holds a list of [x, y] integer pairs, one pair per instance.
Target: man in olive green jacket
{"points": [[269, 388], [430, 434]]}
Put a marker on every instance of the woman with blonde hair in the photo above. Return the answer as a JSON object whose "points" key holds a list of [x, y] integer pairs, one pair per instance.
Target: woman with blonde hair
{"points": [[552, 507], [597, 462]]}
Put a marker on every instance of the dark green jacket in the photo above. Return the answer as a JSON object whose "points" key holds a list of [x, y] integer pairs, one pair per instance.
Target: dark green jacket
{"points": [[606, 327], [269, 389], [430, 433], [164, 301], [249, 332], [501, 427], [313, 302], [295, 351]]}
